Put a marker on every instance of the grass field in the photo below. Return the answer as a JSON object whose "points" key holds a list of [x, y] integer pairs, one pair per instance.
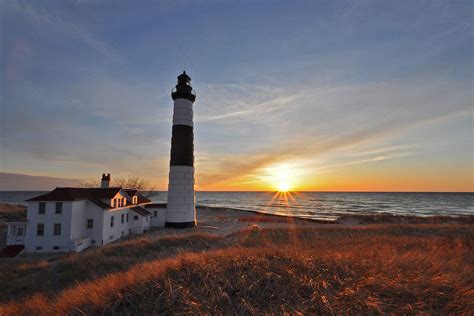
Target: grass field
{"points": [[367, 269]]}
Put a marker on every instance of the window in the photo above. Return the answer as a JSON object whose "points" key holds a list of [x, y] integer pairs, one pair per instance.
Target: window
{"points": [[57, 229], [135, 217], [155, 213], [127, 217], [39, 248], [42, 208], [59, 207], [124, 202], [135, 200], [112, 221], [114, 202], [90, 223], [122, 218], [56, 247], [123, 233], [93, 241], [19, 231], [111, 237], [40, 230]]}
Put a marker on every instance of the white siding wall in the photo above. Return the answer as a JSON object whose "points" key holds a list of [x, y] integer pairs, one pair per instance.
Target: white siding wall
{"points": [[73, 222], [97, 215], [78, 226], [119, 229], [136, 226], [160, 218], [48, 241]]}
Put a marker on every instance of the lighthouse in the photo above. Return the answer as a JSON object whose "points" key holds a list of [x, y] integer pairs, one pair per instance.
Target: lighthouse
{"points": [[181, 205]]}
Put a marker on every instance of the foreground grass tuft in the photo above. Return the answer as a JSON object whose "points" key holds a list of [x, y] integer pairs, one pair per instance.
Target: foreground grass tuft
{"points": [[379, 269]]}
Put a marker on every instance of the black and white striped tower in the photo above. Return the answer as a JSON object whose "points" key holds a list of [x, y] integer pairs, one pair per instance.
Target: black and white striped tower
{"points": [[181, 206]]}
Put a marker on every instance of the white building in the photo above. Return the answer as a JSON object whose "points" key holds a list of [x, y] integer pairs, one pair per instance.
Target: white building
{"points": [[72, 219]]}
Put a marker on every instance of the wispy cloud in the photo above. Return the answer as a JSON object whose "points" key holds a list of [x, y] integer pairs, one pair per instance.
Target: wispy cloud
{"points": [[321, 87], [45, 19], [352, 122]]}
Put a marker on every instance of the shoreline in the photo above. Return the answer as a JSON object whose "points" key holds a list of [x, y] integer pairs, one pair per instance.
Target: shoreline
{"points": [[365, 218], [224, 221], [15, 211]]}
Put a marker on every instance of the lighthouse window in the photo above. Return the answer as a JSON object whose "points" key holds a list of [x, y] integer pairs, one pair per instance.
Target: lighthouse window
{"points": [[122, 218], [90, 223], [112, 221]]}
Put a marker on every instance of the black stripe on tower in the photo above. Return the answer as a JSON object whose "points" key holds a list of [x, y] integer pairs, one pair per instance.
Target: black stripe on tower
{"points": [[182, 146]]}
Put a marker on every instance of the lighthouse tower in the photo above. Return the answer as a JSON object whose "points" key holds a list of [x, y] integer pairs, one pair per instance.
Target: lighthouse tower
{"points": [[181, 206]]}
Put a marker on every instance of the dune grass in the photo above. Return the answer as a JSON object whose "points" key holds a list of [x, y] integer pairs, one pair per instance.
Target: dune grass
{"points": [[54, 273], [373, 269]]}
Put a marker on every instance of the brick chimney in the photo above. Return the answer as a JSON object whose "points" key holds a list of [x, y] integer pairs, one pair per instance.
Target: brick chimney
{"points": [[104, 183]]}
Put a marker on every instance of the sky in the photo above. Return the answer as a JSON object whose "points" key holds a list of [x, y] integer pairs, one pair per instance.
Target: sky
{"points": [[308, 95]]}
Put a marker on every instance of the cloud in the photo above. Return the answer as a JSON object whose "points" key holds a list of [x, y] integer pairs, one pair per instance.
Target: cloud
{"points": [[23, 182], [343, 123], [45, 19]]}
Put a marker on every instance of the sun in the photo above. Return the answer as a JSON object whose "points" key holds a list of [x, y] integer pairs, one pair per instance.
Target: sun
{"points": [[281, 178], [283, 187]]}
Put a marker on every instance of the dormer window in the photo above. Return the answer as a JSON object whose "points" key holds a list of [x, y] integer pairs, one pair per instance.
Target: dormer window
{"points": [[135, 200], [114, 203]]}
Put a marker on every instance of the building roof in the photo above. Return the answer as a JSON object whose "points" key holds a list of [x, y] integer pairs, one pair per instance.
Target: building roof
{"points": [[71, 194], [140, 210], [94, 195], [100, 204], [141, 199], [156, 205], [130, 192]]}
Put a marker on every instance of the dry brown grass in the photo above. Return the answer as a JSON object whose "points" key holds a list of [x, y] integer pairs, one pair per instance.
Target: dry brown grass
{"points": [[22, 277], [374, 269]]}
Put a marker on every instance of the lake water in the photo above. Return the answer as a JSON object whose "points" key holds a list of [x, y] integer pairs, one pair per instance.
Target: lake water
{"points": [[318, 205]]}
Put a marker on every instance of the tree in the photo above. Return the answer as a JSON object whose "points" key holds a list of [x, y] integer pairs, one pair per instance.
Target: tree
{"points": [[135, 183]]}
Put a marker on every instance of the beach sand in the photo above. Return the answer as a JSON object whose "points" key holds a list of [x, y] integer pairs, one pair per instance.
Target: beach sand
{"points": [[225, 221]]}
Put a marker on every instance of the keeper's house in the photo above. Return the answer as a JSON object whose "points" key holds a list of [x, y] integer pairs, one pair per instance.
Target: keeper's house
{"points": [[72, 219]]}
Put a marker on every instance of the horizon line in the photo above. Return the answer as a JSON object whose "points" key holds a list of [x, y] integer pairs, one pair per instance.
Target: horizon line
{"points": [[273, 191]]}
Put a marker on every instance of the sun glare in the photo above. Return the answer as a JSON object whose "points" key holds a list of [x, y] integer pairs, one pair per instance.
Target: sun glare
{"points": [[283, 187], [281, 178]]}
